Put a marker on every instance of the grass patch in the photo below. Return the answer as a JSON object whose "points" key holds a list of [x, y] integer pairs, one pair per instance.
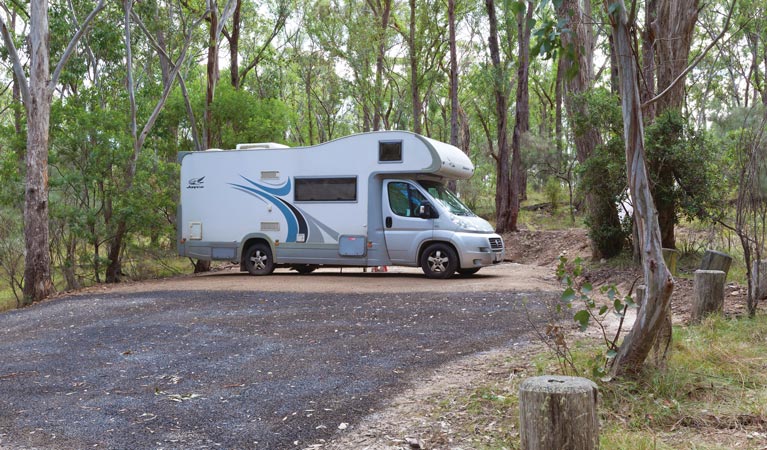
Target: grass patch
{"points": [[137, 264], [712, 395], [7, 300]]}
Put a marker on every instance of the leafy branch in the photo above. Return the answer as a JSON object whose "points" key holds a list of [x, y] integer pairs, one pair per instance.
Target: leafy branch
{"points": [[579, 294]]}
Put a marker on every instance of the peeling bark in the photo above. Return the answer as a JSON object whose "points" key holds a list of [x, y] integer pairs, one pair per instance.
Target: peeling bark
{"points": [[651, 315]]}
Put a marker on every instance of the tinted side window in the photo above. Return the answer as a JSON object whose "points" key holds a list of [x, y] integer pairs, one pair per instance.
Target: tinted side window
{"points": [[404, 199], [339, 189], [390, 151]]}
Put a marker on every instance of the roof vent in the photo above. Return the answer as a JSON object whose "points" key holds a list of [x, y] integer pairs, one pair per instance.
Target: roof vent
{"points": [[260, 146]]}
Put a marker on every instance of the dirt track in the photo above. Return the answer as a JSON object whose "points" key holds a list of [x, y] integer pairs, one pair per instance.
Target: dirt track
{"points": [[352, 280], [231, 361]]}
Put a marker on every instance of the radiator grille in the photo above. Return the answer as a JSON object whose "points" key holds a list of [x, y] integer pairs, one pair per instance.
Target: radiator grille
{"points": [[496, 243]]}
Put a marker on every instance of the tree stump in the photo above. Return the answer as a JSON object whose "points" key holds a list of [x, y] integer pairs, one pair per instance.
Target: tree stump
{"points": [[557, 412], [640, 293], [708, 294], [671, 256], [714, 260], [759, 282]]}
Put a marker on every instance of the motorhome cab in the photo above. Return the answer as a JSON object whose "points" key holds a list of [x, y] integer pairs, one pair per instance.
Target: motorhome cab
{"points": [[371, 199]]}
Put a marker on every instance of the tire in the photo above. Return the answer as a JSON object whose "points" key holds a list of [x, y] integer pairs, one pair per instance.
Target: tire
{"points": [[468, 272], [258, 259], [304, 269], [439, 261]]}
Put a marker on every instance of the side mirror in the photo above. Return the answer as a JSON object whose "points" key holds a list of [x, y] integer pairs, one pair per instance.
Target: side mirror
{"points": [[425, 211]]}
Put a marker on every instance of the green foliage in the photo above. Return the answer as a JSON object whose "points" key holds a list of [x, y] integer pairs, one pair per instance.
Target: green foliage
{"points": [[603, 174], [238, 116], [553, 192], [684, 169], [11, 253], [579, 295], [711, 395]]}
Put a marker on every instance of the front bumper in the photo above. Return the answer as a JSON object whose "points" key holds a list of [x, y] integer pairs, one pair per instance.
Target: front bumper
{"points": [[479, 250]]}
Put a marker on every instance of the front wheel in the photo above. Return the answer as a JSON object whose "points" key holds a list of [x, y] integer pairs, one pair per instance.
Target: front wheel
{"points": [[259, 260], [439, 261]]}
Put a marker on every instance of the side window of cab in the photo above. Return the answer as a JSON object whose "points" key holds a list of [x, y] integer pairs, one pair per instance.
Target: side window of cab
{"points": [[404, 199]]}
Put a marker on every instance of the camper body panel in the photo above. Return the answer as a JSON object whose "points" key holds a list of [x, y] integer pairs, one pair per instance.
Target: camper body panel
{"points": [[320, 205]]}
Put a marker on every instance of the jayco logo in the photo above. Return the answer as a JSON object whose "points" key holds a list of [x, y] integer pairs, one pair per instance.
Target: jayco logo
{"points": [[195, 183]]}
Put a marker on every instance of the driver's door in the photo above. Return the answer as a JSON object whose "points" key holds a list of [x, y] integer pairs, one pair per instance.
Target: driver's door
{"points": [[403, 228]]}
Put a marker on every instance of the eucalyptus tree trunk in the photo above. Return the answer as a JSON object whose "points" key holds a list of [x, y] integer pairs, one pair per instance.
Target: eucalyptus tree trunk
{"points": [[647, 87], [522, 120], [36, 93], [658, 280], [37, 268], [600, 206], [454, 127], [382, 11], [673, 29], [212, 73], [234, 46], [18, 125], [502, 182], [673, 38], [414, 87]]}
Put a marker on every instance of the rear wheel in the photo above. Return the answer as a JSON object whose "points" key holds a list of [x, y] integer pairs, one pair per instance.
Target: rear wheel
{"points": [[258, 259], [439, 261], [467, 272]]}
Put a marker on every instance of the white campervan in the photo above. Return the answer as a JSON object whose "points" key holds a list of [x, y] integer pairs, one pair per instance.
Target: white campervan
{"points": [[370, 199]]}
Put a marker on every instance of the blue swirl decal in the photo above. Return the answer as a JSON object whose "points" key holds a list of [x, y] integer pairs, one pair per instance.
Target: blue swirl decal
{"points": [[295, 221]]}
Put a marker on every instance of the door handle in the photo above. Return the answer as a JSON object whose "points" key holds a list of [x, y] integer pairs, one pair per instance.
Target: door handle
{"points": [[388, 222]]}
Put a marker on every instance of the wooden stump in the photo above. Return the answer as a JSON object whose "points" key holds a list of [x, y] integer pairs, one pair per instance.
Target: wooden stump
{"points": [[708, 294], [671, 256], [714, 260], [759, 283], [639, 296], [557, 412]]}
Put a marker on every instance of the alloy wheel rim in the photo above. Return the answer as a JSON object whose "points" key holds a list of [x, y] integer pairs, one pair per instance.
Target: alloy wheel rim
{"points": [[437, 262]]}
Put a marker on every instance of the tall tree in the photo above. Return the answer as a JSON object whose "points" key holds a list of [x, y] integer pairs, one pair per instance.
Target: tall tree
{"points": [[37, 92], [113, 270], [454, 127], [576, 62], [658, 280], [257, 49], [216, 20], [671, 27], [426, 42], [503, 174], [453, 74], [522, 117], [413, 54], [381, 10]]}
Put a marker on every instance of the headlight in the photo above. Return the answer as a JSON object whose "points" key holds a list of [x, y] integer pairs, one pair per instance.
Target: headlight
{"points": [[465, 224]]}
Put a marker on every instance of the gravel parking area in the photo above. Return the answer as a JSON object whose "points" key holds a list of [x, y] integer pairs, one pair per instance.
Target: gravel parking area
{"points": [[222, 368]]}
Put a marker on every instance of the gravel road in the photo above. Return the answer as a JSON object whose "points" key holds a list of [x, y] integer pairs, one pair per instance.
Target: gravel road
{"points": [[235, 369]]}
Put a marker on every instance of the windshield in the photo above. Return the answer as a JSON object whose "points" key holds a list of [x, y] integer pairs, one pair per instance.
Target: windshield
{"points": [[446, 198]]}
